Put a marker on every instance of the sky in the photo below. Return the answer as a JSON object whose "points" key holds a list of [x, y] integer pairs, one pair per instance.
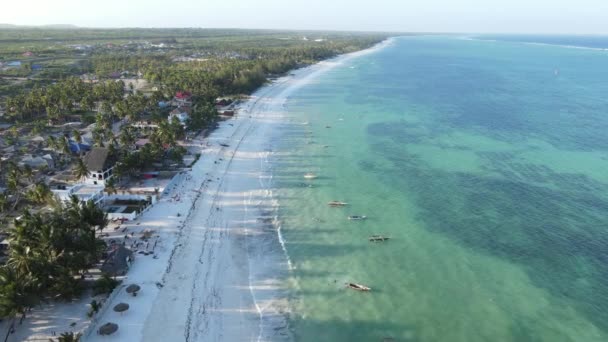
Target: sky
{"points": [[464, 16]]}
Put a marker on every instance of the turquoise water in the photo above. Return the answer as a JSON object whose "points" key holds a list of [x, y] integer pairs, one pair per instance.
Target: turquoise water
{"points": [[485, 162]]}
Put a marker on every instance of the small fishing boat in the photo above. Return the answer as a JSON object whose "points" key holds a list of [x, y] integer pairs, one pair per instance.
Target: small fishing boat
{"points": [[358, 287], [378, 238], [357, 217], [310, 176], [337, 204]]}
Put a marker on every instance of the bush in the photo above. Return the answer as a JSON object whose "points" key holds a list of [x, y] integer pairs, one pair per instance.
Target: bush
{"points": [[95, 306], [104, 285]]}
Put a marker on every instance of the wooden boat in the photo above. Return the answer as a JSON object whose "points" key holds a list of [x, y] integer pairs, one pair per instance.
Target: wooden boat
{"points": [[337, 204], [310, 176], [378, 238], [357, 218], [358, 287]]}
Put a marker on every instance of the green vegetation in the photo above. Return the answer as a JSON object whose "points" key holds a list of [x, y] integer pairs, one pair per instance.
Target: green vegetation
{"points": [[105, 284], [49, 255]]}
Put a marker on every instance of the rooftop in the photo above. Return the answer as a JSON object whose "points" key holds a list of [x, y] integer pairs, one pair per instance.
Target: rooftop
{"points": [[98, 159]]}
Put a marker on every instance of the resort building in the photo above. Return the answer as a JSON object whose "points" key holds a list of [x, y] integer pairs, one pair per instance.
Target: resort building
{"points": [[100, 165], [84, 192]]}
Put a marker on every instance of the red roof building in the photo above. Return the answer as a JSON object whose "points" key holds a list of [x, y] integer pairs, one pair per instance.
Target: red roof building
{"points": [[183, 95]]}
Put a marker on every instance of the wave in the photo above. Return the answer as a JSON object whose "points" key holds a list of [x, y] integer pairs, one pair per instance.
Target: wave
{"points": [[537, 43]]}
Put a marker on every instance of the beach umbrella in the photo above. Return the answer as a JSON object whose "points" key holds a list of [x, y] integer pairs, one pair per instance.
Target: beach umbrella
{"points": [[122, 307], [133, 288], [108, 328]]}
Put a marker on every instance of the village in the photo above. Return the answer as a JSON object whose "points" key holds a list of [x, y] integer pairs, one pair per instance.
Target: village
{"points": [[98, 128], [63, 164]]}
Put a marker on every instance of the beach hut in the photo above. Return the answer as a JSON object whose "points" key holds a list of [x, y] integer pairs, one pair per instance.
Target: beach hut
{"points": [[108, 329], [118, 261], [121, 307], [133, 289]]}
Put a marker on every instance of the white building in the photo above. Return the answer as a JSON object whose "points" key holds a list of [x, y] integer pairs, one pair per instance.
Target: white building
{"points": [[84, 192], [181, 113], [100, 165]]}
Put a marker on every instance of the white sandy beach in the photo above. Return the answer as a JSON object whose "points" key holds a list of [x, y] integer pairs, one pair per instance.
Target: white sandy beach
{"points": [[218, 265]]}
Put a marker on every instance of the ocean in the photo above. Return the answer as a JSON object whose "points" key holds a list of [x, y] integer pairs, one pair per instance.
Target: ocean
{"points": [[484, 161]]}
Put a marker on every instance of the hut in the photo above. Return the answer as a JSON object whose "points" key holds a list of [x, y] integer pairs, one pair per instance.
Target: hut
{"points": [[118, 261]]}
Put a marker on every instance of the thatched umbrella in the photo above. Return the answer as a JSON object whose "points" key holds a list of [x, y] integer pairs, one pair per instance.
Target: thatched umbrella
{"points": [[108, 329], [133, 288], [121, 307]]}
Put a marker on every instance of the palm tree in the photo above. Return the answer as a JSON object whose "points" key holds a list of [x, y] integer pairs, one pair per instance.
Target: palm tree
{"points": [[110, 186], [13, 184], [27, 173], [69, 337], [63, 146], [127, 137], [17, 293], [81, 171], [3, 202], [12, 180], [51, 142], [39, 194], [77, 136], [98, 137], [22, 259]]}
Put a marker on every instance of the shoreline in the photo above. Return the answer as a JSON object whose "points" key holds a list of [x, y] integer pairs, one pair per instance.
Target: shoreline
{"points": [[218, 269]]}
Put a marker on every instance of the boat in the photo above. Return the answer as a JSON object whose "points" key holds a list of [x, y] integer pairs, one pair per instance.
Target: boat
{"points": [[310, 176], [357, 217], [358, 287], [337, 204], [378, 238]]}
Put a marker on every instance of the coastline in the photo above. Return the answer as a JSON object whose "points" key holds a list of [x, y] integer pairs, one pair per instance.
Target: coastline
{"points": [[218, 267]]}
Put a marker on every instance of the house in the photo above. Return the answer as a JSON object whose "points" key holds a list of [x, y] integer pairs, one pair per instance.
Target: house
{"points": [[76, 147], [182, 98], [181, 113], [141, 143], [84, 192], [100, 165], [229, 113], [38, 162], [28, 54], [144, 124], [222, 102], [126, 207]]}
